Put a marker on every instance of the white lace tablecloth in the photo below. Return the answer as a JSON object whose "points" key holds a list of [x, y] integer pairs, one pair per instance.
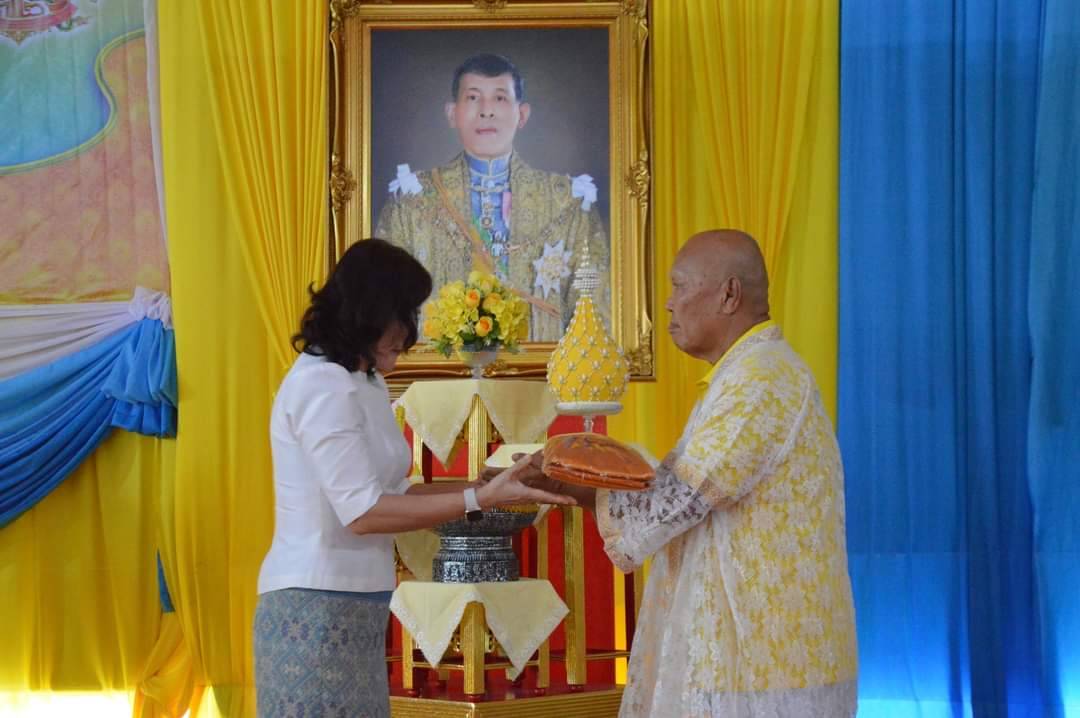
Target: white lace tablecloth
{"points": [[520, 614], [521, 410]]}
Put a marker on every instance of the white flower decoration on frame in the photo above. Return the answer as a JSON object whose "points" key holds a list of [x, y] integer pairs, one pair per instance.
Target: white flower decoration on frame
{"points": [[552, 267]]}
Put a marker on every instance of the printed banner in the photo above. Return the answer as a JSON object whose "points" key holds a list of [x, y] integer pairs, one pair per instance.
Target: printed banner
{"points": [[77, 181]]}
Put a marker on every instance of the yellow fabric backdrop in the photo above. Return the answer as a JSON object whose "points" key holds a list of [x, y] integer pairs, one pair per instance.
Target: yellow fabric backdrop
{"points": [[746, 135], [78, 581], [243, 93]]}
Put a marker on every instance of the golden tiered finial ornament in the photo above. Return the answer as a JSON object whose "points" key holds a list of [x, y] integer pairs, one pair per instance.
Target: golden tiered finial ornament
{"points": [[587, 372]]}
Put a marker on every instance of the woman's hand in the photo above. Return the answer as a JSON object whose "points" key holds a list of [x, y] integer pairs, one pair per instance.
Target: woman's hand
{"points": [[522, 483]]}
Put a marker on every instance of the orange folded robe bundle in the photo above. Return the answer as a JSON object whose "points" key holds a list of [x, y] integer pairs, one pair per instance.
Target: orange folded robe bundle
{"points": [[597, 461]]}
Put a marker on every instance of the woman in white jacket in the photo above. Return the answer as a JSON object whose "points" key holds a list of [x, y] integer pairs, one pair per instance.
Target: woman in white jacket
{"points": [[341, 490]]}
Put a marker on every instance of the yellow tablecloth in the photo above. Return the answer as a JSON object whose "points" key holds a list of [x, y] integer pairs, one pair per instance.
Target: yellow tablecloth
{"points": [[416, 550], [437, 410], [520, 614]]}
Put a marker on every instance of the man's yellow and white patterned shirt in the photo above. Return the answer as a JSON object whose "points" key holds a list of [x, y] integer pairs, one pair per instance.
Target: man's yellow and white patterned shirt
{"points": [[748, 608]]}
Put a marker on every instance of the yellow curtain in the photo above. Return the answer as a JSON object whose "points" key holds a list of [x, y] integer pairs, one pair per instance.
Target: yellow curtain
{"points": [[243, 94], [165, 688], [746, 108], [746, 135], [78, 580]]}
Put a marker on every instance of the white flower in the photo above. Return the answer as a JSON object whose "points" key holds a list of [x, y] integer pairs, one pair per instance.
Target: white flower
{"points": [[406, 182], [552, 267]]}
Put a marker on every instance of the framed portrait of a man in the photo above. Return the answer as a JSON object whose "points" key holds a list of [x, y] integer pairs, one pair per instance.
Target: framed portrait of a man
{"points": [[501, 137]]}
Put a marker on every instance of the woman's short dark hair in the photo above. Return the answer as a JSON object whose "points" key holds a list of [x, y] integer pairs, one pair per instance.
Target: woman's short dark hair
{"points": [[373, 286]]}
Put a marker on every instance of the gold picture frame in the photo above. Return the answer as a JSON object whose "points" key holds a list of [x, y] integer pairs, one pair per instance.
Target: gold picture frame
{"points": [[625, 25]]}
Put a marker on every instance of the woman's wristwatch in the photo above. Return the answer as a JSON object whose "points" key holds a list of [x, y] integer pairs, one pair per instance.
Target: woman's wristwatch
{"points": [[473, 512]]}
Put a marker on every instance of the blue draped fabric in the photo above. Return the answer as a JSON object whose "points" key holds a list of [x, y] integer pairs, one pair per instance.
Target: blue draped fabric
{"points": [[961, 468], [53, 417], [1054, 316], [163, 589]]}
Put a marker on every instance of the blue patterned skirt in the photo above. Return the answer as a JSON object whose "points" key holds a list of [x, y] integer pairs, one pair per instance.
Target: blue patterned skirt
{"points": [[321, 653]]}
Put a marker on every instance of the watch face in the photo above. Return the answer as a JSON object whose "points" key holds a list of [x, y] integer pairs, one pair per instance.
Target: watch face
{"points": [[474, 515]]}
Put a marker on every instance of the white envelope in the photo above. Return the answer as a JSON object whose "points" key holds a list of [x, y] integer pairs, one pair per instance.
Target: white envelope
{"points": [[504, 455]]}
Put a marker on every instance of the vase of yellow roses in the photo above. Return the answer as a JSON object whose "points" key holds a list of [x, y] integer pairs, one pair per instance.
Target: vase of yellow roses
{"points": [[476, 319]]}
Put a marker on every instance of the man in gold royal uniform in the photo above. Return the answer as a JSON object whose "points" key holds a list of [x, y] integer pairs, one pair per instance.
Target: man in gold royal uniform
{"points": [[488, 210]]}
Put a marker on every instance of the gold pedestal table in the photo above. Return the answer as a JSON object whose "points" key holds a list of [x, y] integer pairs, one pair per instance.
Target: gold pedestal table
{"points": [[442, 414]]}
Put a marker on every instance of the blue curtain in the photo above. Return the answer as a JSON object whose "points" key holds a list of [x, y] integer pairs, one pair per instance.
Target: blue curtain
{"points": [[958, 472], [1054, 316], [53, 417]]}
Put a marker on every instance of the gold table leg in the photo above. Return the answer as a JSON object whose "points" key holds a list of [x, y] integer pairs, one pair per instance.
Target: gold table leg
{"points": [[473, 647], [407, 665], [543, 671], [418, 455], [574, 566], [479, 433]]}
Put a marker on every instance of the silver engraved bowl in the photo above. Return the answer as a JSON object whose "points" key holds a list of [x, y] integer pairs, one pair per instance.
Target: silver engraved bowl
{"points": [[481, 551], [499, 521]]}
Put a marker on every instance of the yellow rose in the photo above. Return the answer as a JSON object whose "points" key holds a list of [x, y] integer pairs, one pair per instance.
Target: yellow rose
{"points": [[475, 277], [492, 302], [485, 285], [431, 329], [472, 298], [484, 326]]}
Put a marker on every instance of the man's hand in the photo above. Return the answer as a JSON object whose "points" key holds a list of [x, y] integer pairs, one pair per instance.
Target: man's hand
{"points": [[508, 487], [531, 474]]}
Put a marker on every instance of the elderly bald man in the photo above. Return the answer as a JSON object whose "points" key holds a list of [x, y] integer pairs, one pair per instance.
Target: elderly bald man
{"points": [[748, 608]]}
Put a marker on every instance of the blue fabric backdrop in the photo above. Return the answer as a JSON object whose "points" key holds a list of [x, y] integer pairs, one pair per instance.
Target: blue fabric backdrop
{"points": [[1054, 316], [53, 417], [960, 450]]}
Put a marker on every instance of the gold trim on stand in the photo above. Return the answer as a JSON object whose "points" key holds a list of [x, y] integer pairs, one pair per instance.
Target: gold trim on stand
{"points": [[543, 670], [574, 567], [602, 703], [479, 437], [474, 636], [407, 664]]}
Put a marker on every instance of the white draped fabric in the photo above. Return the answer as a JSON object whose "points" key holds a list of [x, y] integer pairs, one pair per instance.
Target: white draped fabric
{"points": [[32, 335]]}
